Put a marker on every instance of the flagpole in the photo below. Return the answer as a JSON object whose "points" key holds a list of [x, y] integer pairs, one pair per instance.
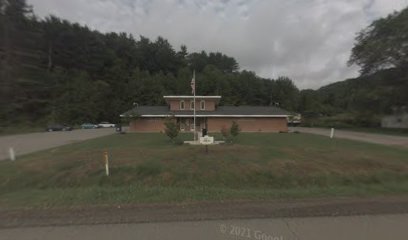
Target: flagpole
{"points": [[194, 99]]}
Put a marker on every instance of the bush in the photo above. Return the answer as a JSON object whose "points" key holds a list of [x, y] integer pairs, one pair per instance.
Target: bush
{"points": [[347, 120], [366, 120], [229, 139], [234, 130], [171, 129], [229, 134], [224, 132]]}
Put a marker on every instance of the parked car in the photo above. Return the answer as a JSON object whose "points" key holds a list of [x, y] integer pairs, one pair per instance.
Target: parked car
{"points": [[106, 125], [58, 127], [89, 126]]}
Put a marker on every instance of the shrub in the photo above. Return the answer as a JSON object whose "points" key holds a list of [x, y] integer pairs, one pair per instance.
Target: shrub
{"points": [[224, 132], [229, 139], [171, 129], [234, 130], [349, 120]]}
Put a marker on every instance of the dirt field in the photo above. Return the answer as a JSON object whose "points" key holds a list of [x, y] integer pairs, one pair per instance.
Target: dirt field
{"points": [[359, 136], [198, 211], [32, 142]]}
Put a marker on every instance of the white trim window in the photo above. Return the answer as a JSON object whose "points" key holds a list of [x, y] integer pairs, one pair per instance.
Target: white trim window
{"points": [[182, 105], [202, 105], [192, 105]]}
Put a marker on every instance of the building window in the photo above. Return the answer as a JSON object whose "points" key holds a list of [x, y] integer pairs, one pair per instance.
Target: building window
{"points": [[202, 105], [192, 105], [182, 105]]}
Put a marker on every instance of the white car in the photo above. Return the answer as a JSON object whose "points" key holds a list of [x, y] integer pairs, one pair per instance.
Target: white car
{"points": [[106, 125]]}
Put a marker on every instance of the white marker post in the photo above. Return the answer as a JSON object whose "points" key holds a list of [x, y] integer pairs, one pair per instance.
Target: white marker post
{"points": [[12, 154], [106, 163], [332, 133]]}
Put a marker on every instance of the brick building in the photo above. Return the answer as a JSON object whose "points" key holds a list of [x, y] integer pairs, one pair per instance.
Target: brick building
{"points": [[209, 115]]}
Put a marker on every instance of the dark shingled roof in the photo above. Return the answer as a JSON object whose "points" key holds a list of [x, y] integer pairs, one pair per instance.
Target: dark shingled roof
{"points": [[221, 110]]}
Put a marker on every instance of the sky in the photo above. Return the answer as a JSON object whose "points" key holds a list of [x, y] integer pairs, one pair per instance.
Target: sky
{"points": [[309, 41]]}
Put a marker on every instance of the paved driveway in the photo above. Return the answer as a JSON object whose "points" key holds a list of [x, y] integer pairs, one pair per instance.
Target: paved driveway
{"points": [[32, 142], [359, 136]]}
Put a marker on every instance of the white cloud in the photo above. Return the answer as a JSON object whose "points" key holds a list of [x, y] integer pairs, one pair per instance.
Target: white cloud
{"points": [[309, 41]]}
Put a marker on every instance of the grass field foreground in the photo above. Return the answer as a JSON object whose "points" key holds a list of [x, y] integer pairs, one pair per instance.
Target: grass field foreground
{"points": [[149, 168]]}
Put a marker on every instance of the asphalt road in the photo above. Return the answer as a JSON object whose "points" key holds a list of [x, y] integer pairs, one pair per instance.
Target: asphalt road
{"points": [[359, 136], [370, 227], [32, 142]]}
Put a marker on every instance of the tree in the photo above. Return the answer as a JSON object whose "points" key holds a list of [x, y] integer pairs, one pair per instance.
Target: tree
{"points": [[383, 44], [171, 129], [285, 94], [20, 38], [52, 69], [51, 27], [234, 130]]}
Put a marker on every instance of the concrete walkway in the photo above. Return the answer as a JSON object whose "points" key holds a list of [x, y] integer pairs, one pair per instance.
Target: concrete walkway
{"points": [[359, 136], [32, 142], [373, 227]]}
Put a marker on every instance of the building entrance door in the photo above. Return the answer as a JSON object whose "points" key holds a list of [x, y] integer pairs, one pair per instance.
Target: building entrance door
{"points": [[187, 124], [198, 123]]}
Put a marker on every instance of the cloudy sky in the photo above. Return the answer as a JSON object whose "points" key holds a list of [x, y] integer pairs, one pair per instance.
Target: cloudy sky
{"points": [[306, 40]]}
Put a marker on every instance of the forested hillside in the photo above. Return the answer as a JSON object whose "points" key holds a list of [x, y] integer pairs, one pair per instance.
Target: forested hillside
{"points": [[357, 102], [53, 70], [375, 93], [381, 51]]}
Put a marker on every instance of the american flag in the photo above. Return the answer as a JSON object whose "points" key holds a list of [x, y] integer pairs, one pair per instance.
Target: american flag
{"points": [[193, 84]]}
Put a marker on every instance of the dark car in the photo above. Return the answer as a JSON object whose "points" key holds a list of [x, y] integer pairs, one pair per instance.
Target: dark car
{"points": [[58, 127]]}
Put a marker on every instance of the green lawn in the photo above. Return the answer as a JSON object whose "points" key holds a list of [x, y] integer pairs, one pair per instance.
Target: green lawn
{"points": [[148, 168]]}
